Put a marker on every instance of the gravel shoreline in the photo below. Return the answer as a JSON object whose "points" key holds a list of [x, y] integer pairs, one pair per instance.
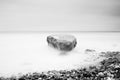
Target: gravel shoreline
{"points": [[108, 69]]}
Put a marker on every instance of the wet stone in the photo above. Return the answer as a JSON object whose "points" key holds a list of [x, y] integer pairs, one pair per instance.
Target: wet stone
{"points": [[62, 42]]}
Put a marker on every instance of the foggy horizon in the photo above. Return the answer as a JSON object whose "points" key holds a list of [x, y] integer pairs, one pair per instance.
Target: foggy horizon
{"points": [[59, 15]]}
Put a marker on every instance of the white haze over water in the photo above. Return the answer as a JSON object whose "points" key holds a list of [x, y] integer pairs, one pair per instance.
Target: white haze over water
{"points": [[29, 52]]}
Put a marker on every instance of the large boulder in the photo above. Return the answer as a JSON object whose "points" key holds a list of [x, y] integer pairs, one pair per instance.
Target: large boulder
{"points": [[62, 42]]}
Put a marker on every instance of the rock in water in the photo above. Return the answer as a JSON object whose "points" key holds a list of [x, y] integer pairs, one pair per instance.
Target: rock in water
{"points": [[62, 42]]}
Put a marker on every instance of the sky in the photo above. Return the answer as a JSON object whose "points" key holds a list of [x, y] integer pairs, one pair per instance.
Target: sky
{"points": [[59, 15]]}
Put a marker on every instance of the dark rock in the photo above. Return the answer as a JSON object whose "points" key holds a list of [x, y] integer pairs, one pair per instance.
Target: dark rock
{"points": [[62, 42], [90, 51]]}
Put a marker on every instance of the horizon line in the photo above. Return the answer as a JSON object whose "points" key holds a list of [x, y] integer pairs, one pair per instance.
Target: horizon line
{"points": [[59, 31]]}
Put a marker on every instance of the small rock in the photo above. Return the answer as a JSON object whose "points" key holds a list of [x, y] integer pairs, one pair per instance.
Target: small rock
{"points": [[62, 42], [101, 74], [90, 51]]}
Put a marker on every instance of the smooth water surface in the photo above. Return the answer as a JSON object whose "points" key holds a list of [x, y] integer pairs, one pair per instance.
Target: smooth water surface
{"points": [[29, 52]]}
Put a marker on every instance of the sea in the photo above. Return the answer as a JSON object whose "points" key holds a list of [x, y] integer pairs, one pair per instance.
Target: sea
{"points": [[27, 52]]}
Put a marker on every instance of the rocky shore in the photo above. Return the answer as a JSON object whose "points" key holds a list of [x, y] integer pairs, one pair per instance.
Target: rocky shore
{"points": [[108, 69]]}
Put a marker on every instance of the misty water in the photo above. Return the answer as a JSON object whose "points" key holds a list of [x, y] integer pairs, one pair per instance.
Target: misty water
{"points": [[29, 52]]}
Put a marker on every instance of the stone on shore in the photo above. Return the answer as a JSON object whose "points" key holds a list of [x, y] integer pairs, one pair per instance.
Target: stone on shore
{"points": [[62, 42]]}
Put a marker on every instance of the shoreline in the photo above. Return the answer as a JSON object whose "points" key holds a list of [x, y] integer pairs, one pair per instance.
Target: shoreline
{"points": [[101, 74]]}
